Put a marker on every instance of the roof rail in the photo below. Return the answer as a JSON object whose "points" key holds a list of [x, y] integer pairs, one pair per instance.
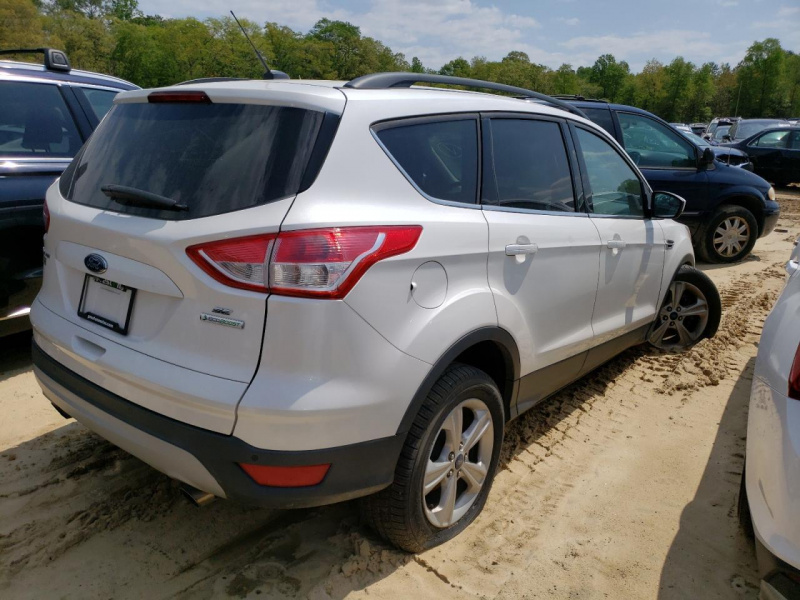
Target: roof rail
{"points": [[54, 60], [382, 81]]}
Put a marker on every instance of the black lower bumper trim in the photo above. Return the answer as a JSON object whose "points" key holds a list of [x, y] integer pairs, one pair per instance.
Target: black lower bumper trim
{"points": [[356, 470], [782, 577]]}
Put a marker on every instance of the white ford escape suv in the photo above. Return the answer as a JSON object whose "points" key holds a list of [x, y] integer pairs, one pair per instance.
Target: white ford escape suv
{"points": [[295, 293]]}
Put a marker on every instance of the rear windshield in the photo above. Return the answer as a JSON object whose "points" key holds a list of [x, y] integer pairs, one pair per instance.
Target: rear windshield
{"points": [[214, 158]]}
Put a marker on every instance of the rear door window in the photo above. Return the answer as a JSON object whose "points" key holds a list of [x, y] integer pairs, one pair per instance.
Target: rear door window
{"points": [[100, 100], [439, 157], [214, 158], [529, 168], [601, 116], [35, 121]]}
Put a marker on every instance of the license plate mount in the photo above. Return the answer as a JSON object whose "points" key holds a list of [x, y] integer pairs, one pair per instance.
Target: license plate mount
{"points": [[107, 303]]}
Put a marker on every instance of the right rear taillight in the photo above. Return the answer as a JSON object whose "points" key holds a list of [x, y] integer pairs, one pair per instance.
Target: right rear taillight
{"points": [[46, 216], [794, 376], [240, 263], [314, 263]]}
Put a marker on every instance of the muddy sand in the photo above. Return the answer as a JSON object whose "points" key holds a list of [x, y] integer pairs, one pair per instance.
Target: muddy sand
{"points": [[623, 485]]}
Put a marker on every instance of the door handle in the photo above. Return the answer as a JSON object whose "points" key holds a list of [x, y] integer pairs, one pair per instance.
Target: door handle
{"points": [[616, 244], [519, 249]]}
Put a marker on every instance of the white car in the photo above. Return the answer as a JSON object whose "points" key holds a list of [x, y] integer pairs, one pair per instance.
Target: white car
{"points": [[769, 501], [293, 293]]}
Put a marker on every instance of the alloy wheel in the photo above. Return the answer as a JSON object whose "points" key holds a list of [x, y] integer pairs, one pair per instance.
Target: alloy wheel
{"points": [[731, 236], [682, 318], [458, 464]]}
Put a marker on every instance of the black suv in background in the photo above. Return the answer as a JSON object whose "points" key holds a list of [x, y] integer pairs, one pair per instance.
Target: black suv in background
{"points": [[47, 112], [727, 207]]}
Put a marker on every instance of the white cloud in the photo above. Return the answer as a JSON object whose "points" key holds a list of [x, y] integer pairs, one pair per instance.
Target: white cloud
{"points": [[783, 27], [637, 47], [728, 3], [436, 32], [571, 22]]}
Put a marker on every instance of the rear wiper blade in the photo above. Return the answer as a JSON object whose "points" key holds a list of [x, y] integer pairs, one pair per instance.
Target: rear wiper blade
{"points": [[129, 196]]}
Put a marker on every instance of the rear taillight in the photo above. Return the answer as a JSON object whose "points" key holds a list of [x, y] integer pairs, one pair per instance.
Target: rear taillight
{"points": [[240, 263], [327, 263], [46, 217], [318, 263], [794, 377]]}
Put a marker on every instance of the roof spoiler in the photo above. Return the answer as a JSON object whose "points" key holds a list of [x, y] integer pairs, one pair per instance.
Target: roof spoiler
{"points": [[382, 81], [54, 60]]}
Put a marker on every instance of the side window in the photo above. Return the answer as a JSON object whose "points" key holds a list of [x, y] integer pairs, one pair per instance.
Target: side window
{"points": [[35, 121], [531, 168], [615, 188], [652, 144], [794, 143], [601, 116], [100, 100], [440, 157], [773, 139]]}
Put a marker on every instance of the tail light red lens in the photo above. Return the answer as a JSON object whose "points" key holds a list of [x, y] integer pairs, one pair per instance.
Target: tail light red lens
{"points": [[286, 476], [319, 263], [46, 216], [794, 377], [327, 263], [240, 263]]}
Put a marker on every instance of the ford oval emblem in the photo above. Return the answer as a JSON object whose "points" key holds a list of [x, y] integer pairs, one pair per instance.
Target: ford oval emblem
{"points": [[96, 263]]}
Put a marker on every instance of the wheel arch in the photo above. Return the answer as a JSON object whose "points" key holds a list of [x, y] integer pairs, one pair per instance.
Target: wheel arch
{"points": [[750, 202], [491, 349]]}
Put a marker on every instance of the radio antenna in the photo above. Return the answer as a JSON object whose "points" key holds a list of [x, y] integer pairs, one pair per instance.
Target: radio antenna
{"points": [[267, 72]]}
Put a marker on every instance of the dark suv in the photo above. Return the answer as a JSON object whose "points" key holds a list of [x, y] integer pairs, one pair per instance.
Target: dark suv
{"points": [[47, 112], [727, 208]]}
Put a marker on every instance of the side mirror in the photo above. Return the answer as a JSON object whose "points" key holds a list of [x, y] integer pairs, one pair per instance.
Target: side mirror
{"points": [[707, 157], [667, 205]]}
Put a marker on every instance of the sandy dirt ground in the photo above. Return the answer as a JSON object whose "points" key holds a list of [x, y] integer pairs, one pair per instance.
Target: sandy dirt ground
{"points": [[623, 485]]}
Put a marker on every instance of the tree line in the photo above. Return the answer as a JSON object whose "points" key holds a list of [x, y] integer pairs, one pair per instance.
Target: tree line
{"points": [[115, 37]]}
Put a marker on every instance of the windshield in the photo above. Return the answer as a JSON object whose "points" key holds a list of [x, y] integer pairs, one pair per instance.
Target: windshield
{"points": [[214, 158], [746, 129]]}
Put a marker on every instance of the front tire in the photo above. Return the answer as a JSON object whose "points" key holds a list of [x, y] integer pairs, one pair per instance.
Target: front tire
{"points": [[729, 235], [691, 311], [447, 465]]}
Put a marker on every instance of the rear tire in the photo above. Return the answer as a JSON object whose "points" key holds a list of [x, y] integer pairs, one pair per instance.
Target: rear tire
{"points": [[457, 478], [729, 235], [690, 312]]}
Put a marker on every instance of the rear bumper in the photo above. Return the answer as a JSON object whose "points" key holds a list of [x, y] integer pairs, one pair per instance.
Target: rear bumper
{"points": [[208, 460], [779, 580]]}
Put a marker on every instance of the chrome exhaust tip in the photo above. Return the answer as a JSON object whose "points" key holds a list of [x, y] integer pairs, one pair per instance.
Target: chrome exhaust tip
{"points": [[195, 496]]}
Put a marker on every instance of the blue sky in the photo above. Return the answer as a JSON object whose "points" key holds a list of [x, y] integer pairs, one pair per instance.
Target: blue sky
{"points": [[553, 32]]}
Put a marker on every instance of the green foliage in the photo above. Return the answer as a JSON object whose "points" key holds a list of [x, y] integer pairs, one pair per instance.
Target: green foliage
{"points": [[113, 36]]}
